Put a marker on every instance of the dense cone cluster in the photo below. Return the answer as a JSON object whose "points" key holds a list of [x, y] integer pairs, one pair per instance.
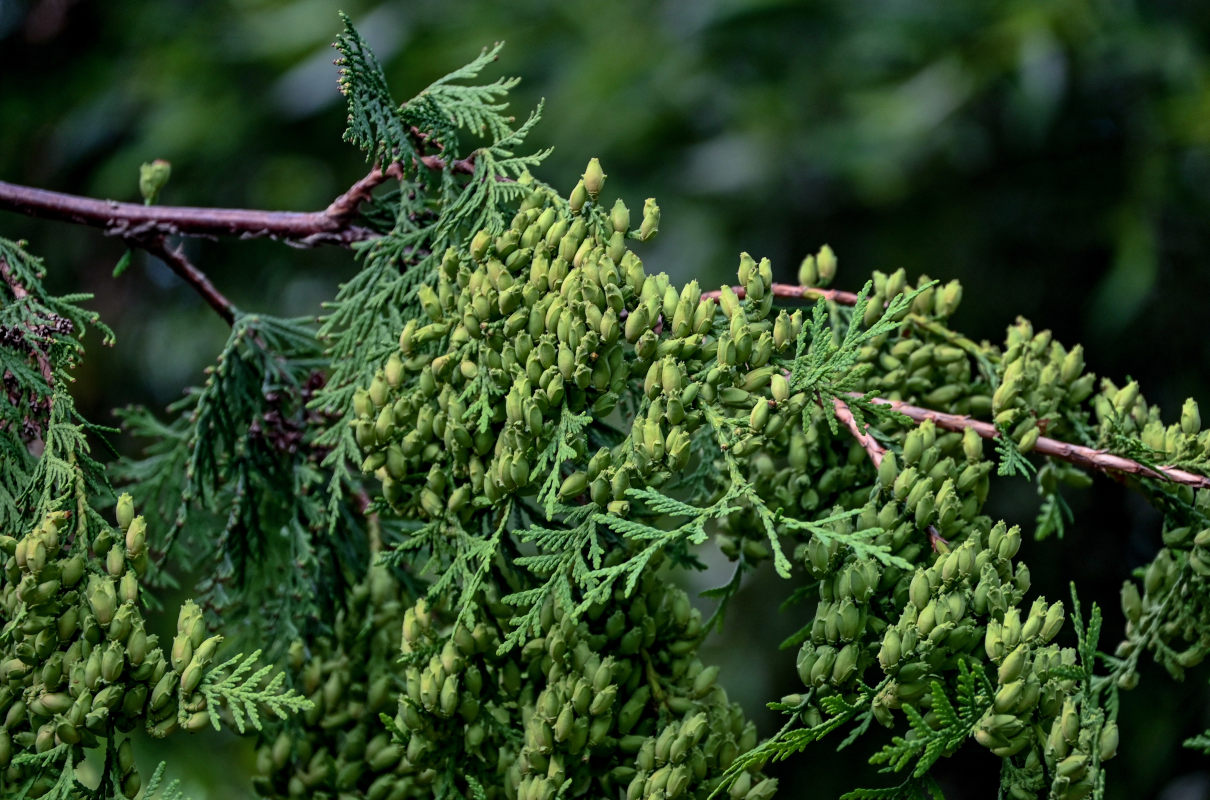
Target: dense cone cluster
{"points": [[339, 747], [1122, 412], [76, 663], [550, 320], [1033, 386], [521, 326], [963, 607], [934, 498], [616, 703], [934, 369], [1171, 614], [549, 365]]}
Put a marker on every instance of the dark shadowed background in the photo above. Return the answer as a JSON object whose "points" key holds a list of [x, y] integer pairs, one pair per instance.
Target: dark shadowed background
{"points": [[1054, 155]]}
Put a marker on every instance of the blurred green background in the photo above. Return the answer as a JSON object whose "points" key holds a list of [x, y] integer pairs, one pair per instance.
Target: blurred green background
{"points": [[1054, 155]]}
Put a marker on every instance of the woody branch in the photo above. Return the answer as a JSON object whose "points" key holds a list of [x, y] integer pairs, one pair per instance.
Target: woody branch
{"points": [[147, 226], [1088, 457], [875, 451]]}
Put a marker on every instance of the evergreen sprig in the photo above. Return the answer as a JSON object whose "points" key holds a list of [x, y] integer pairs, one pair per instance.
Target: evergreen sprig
{"points": [[792, 740], [952, 724], [48, 464], [913, 788], [234, 476], [245, 694], [158, 790], [1012, 461], [368, 312], [65, 786]]}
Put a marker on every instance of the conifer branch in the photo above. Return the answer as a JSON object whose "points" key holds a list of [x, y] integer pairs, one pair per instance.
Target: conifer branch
{"points": [[346, 205], [462, 166], [796, 291], [138, 222], [180, 264], [1079, 455], [146, 226], [875, 451], [845, 415]]}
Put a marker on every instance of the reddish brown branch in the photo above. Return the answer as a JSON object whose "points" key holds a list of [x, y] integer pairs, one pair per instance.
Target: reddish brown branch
{"points": [[423, 139], [345, 206], [872, 447], [177, 262], [147, 227], [1079, 455], [138, 222], [19, 291], [463, 166], [876, 452], [797, 292]]}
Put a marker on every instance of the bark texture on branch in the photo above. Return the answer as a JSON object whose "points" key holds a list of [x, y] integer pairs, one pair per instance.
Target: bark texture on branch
{"points": [[872, 447], [1079, 455], [137, 222], [793, 290], [148, 227], [876, 452]]}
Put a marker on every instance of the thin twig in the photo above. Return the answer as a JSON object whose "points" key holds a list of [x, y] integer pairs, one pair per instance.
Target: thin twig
{"points": [[872, 447], [179, 263], [1079, 455], [797, 292], [463, 166], [138, 222], [876, 452], [423, 139], [147, 227], [346, 205]]}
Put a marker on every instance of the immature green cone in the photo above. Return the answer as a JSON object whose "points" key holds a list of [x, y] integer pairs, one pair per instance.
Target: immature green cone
{"points": [[573, 485], [1191, 418], [651, 219], [124, 511], [479, 244], [579, 196], [826, 263], [949, 298], [619, 216], [594, 178], [153, 176], [136, 536], [102, 598], [972, 445], [808, 272], [190, 624], [747, 270]]}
